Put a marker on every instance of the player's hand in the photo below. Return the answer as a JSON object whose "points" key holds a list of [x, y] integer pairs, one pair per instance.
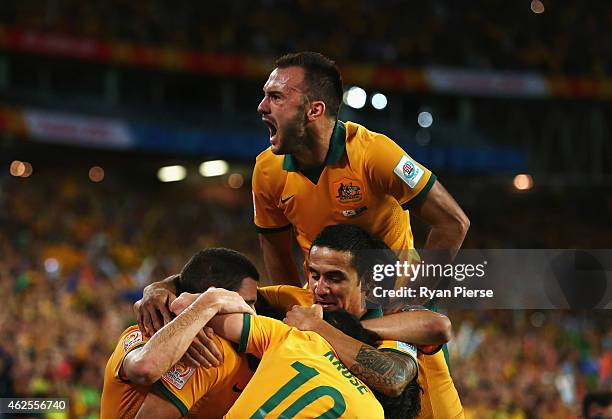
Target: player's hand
{"points": [[226, 302], [203, 351], [221, 300], [182, 302], [304, 318], [152, 311]]}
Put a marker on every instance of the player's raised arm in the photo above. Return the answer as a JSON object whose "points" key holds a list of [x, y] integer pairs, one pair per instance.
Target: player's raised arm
{"points": [[147, 364], [448, 222], [420, 327], [386, 372]]}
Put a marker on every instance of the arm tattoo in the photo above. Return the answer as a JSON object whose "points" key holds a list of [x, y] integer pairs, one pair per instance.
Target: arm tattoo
{"points": [[385, 372]]}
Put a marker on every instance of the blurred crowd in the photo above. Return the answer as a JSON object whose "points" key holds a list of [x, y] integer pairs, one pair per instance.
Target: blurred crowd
{"points": [[75, 255], [568, 37], [529, 364]]}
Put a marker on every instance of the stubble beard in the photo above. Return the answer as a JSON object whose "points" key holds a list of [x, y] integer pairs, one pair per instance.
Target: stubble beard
{"points": [[294, 136]]}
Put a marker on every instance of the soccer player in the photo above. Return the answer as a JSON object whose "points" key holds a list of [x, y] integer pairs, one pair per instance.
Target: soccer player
{"points": [[340, 255], [320, 171], [340, 271], [140, 366], [300, 374]]}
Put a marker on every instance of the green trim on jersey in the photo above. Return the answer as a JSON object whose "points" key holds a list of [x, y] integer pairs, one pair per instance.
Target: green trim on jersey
{"points": [[171, 397], [264, 230], [244, 336], [337, 145], [372, 313], [421, 195]]}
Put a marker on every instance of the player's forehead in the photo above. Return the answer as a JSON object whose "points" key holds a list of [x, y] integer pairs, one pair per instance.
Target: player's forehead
{"points": [[285, 80], [324, 259]]}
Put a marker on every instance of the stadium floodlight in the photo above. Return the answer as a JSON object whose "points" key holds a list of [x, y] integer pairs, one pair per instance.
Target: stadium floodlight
{"points": [[171, 173], [214, 168], [235, 181], [379, 101], [425, 119], [21, 169], [96, 174], [355, 97], [523, 182], [52, 265], [537, 7], [17, 168], [28, 169]]}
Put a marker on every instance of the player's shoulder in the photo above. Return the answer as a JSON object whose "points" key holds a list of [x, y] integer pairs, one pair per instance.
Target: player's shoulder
{"points": [[359, 137], [268, 173], [268, 159], [131, 338]]}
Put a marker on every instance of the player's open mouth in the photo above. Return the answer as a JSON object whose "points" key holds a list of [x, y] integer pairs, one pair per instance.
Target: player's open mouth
{"points": [[271, 127]]}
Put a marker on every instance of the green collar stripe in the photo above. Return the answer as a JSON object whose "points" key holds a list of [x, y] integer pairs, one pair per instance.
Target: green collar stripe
{"points": [[372, 313], [337, 144]]}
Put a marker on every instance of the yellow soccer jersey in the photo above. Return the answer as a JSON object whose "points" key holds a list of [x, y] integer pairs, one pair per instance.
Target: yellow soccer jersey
{"points": [[181, 385], [367, 180], [283, 297], [300, 375], [439, 398]]}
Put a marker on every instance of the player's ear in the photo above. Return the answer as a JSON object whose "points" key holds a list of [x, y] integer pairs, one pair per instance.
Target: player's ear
{"points": [[316, 110]]}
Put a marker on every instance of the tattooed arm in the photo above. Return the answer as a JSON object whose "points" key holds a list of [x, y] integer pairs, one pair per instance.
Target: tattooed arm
{"points": [[386, 372]]}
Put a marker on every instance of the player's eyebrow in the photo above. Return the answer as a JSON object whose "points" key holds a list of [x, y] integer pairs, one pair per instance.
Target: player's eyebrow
{"points": [[332, 273], [336, 274]]}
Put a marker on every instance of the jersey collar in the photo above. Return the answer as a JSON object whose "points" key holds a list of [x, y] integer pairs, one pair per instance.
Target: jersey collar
{"points": [[337, 144], [372, 313]]}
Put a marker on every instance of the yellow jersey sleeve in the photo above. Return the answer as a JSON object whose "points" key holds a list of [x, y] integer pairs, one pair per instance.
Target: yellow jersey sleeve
{"points": [[403, 348], [259, 333], [283, 297], [268, 216], [183, 386], [131, 338], [392, 171]]}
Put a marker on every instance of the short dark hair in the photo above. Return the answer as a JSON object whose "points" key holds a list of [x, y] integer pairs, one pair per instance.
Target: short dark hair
{"points": [[408, 403], [215, 267], [321, 76], [365, 249]]}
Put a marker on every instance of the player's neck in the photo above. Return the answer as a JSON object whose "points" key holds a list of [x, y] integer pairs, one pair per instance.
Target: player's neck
{"points": [[314, 150]]}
